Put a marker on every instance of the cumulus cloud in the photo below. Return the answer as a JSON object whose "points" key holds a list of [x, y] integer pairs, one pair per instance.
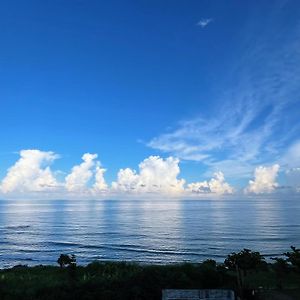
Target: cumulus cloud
{"points": [[156, 175], [100, 184], [216, 185], [31, 173], [264, 180], [81, 174], [127, 180]]}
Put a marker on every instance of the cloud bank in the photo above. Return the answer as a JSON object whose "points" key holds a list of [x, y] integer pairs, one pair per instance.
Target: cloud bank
{"points": [[156, 176]]}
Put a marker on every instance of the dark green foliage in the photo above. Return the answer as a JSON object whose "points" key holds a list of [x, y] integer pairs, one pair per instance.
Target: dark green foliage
{"points": [[245, 260], [109, 280], [67, 260], [294, 258], [126, 281], [281, 265], [281, 268]]}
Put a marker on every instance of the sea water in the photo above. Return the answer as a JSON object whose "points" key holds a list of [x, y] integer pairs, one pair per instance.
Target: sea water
{"points": [[144, 231]]}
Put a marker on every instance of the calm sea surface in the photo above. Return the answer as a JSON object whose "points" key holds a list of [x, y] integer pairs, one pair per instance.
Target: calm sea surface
{"points": [[36, 232]]}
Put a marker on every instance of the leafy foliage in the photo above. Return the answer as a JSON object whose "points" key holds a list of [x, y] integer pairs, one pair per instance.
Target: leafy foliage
{"points": [[66, 260], [245, 260], [121, 280], [294, 258]]}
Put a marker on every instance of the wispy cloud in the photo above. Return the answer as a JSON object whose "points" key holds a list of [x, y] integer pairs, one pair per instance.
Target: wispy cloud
{"points": [[204, 22], [230, 141], [255, 118]]}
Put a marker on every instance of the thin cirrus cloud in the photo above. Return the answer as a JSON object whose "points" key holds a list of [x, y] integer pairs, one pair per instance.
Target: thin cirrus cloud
{"points": [[293, 178], [204, 22], [31, 175], [255, 117]]}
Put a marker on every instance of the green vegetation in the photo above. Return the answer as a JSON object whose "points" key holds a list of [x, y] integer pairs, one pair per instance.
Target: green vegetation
{"points": [[294, 258], [67, 260], [243, 263], [243, 271]]}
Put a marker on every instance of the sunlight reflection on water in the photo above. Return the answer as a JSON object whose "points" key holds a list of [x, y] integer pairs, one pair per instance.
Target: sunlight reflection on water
{"points": [[33, 232]]}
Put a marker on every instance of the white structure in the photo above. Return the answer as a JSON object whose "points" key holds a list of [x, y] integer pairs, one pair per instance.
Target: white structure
{"points": [[216, 294]]}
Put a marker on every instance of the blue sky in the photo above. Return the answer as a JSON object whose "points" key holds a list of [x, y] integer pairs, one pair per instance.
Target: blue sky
{"points": [[212, 83]]}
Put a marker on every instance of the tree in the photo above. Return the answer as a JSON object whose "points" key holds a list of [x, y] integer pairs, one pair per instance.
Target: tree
{"points": [[243, 262], [280, 267], [67, 260], [209, 263], [294, 258]]}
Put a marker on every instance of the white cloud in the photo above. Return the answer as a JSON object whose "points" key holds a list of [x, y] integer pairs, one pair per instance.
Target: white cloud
{"points": [[31, 173], [100, 184], [81, 174], [264, 180], [127, 180], [204, 22], [156, 175], [31, 176], [216, 185], [254, 116]]}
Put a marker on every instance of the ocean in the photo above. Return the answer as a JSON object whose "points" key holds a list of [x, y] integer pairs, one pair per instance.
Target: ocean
{"points": [[144, 231]]}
